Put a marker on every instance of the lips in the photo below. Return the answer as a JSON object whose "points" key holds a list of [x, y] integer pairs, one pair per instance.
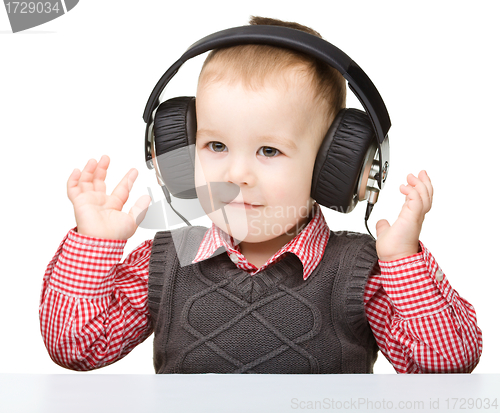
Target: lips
{"points": [[241, 201], [245, 205]]}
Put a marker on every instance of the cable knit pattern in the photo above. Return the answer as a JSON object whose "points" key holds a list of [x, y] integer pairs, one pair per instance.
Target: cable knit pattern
{"points": [[212, 317]]}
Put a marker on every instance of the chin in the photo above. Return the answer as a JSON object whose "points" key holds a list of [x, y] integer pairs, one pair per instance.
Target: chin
{"points": [[243, 232], [247, 227], [237, 228]]}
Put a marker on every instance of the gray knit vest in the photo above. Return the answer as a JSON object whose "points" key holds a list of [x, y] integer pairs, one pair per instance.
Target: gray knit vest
{"points": [[211, 317]]}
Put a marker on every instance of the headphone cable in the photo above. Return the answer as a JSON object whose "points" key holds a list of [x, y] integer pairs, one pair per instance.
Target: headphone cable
{"points": [[169, 200], [369, 209], [372, 200]]}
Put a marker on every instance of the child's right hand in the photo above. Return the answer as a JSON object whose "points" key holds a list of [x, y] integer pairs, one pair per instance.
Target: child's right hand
{"points": [[100, 215]]}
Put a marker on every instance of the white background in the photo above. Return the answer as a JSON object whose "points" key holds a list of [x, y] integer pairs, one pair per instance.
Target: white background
{"points": [[76, 87]]}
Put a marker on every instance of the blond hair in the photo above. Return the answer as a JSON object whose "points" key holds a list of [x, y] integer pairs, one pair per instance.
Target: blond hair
{"points": [[253, 64]]}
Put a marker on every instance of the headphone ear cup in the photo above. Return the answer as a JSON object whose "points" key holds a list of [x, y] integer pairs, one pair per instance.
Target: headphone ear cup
{"points": [[174, 139], [340, 160]]}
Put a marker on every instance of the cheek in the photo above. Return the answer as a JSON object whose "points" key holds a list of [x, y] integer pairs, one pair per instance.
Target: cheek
{"points": [[276, 186], [293, 186], [303, 180]]}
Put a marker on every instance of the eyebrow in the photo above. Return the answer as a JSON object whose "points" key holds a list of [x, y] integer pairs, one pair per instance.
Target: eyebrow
{"points": [[271, 139], [280, 141], [208, 132]]}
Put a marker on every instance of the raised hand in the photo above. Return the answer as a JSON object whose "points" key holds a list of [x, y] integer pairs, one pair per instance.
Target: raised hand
{"points": [[401, 239], [100, 215]]}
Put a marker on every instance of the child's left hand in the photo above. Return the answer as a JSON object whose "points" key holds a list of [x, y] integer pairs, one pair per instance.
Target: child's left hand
{"points": [[402, 238]]}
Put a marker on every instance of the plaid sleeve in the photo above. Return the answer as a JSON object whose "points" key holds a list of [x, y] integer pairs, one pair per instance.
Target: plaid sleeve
{"points": [[420, 322], [93, 309]]}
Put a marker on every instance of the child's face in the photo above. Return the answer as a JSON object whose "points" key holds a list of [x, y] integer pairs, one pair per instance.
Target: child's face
{"points": [[265, 142]]}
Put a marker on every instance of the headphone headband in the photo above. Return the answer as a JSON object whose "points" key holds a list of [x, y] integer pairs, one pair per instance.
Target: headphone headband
{"points": [[300, 41]]}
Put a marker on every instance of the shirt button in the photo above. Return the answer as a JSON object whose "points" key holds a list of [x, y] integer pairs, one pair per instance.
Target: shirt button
{"points": [[439, 275], [234, 258]]}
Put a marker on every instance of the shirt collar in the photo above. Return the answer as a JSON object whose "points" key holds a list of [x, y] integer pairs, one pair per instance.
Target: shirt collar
{"points": [[308, 245]]}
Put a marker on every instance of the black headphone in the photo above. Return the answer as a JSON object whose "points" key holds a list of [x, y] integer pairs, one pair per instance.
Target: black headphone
{"points": [[353, 156]]}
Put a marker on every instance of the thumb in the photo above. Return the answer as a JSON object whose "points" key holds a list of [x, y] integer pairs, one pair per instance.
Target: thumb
{"points": [[382, 226], [140, 208]]}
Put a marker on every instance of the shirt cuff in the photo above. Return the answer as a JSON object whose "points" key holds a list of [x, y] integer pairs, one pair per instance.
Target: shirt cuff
{"points": [[85, 266], [416, 284]]}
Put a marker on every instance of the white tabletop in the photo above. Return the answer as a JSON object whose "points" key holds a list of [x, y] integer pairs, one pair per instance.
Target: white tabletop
{"points": [[94, 393]]}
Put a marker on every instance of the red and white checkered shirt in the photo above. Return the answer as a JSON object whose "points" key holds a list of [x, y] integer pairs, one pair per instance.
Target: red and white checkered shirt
{"points": [[94, 309]]}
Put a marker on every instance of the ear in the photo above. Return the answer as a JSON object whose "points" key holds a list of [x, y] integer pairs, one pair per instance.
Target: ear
{"points": [[175, 139], [340, 160]]}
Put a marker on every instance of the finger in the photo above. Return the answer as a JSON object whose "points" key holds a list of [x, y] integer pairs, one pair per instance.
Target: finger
{"points": [[100, 174], [72, 186], [427, 181], [413, 199], [422, 190], [86, 181], [140, 208], [122, 190], [382, 226], [420, 187]]}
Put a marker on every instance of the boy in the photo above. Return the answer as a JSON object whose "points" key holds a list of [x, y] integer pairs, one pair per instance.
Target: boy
{"points": [[291, 296]]}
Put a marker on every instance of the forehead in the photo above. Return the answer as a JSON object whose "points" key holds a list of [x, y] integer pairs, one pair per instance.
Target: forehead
{"points": [[269, 105], [290, 90], [269, 116]]}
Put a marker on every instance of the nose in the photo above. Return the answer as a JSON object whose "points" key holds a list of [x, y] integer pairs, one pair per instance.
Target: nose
{"points": [[240, 171]]}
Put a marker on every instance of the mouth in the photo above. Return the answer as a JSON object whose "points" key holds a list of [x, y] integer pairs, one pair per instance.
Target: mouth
{"points": [[243, 205]]}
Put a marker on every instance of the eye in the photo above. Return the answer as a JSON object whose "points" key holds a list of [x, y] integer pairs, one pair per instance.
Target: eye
{"points": [[216, 146], [268, 151]]}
